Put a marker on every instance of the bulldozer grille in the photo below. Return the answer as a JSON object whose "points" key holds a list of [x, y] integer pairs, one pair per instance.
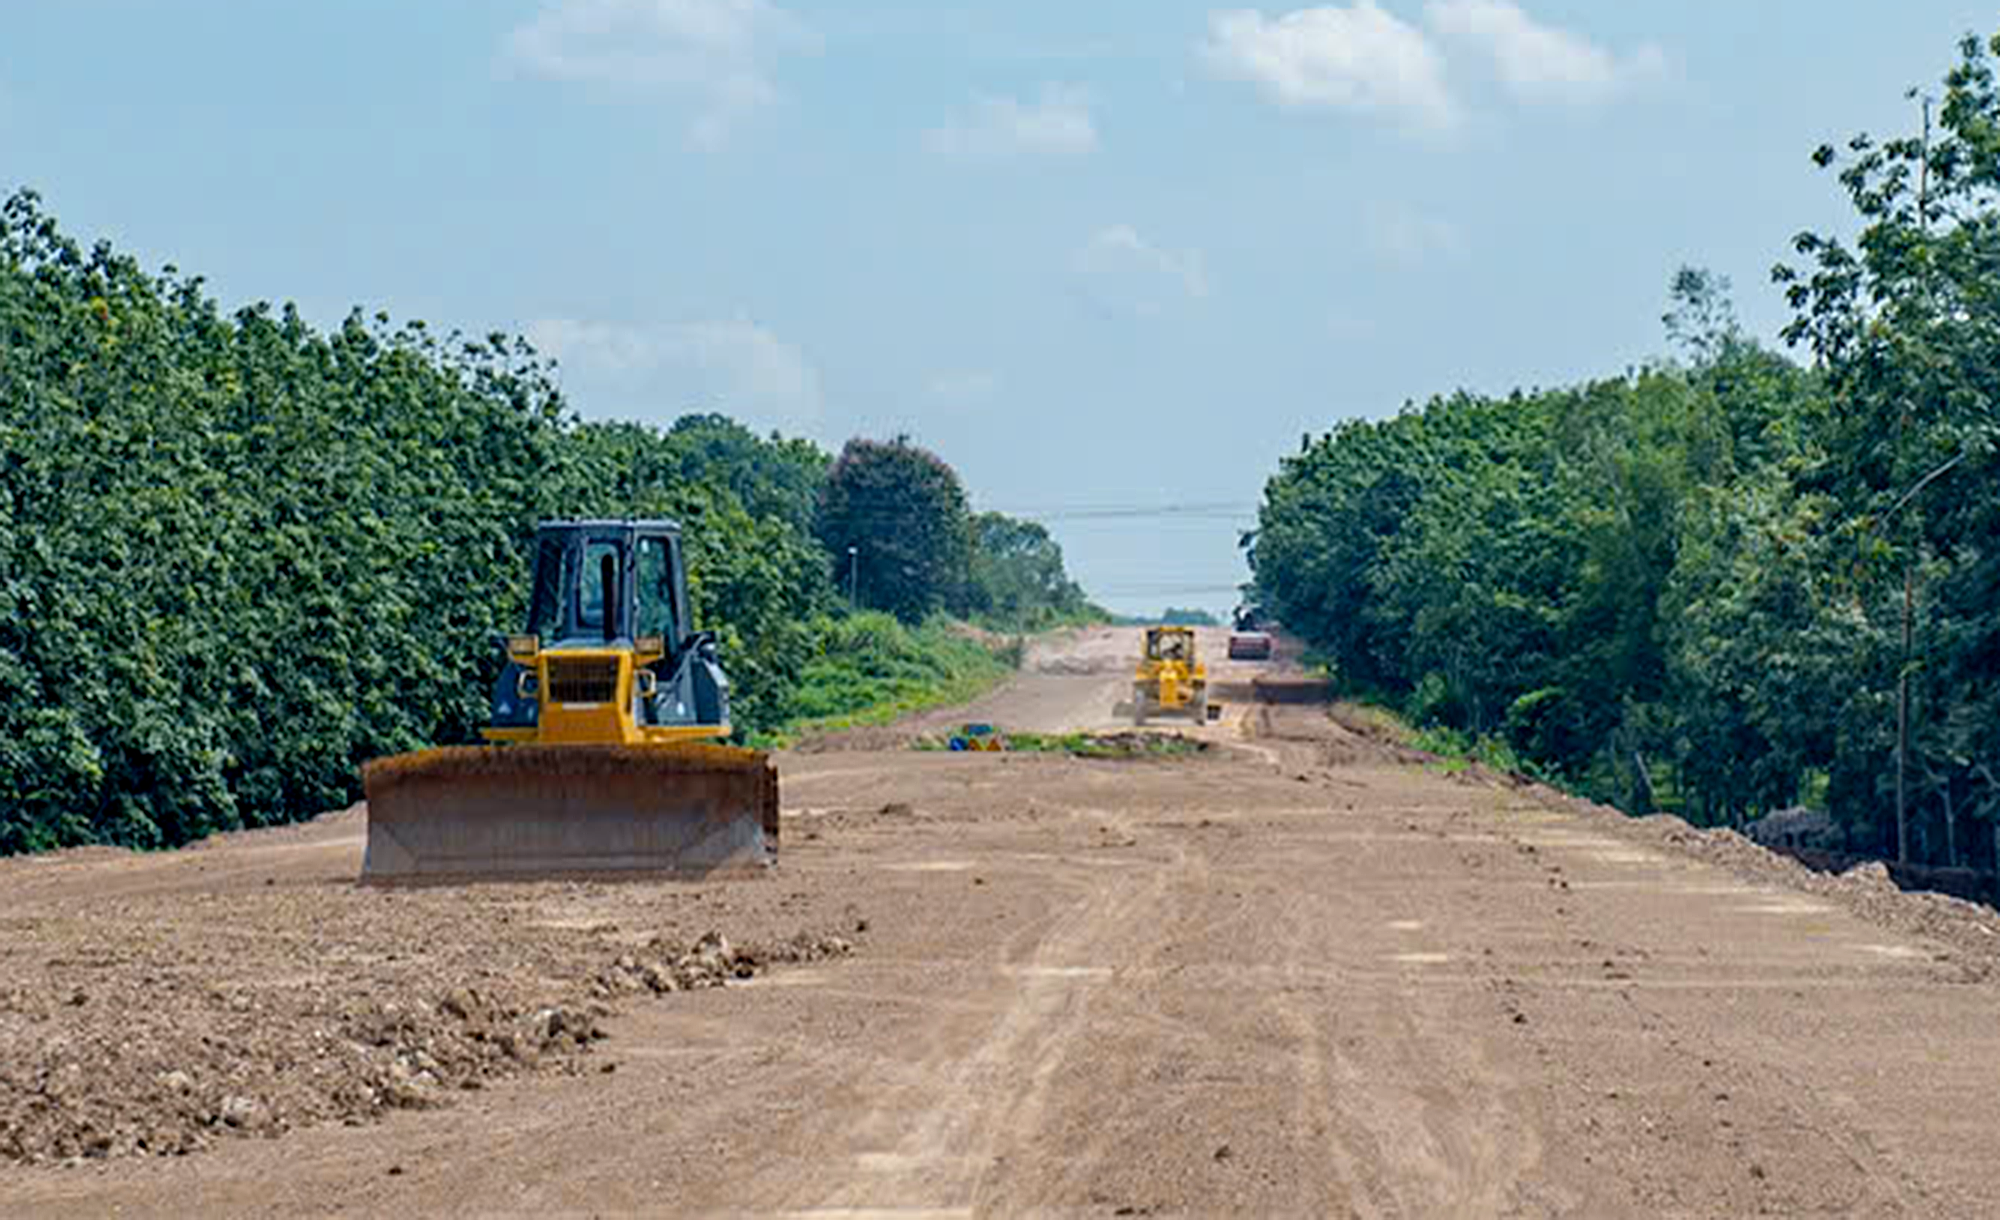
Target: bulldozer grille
{"points": [[583, 680]]}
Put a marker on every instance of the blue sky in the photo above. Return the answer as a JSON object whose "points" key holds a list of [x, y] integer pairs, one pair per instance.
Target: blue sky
{"points": [[1118, 255]]}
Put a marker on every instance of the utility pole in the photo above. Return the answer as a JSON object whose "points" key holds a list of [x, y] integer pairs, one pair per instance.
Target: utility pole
{"points": [[1903, 725], [854, 576], [1924, 171], [1903, 671], [1910, 563]]}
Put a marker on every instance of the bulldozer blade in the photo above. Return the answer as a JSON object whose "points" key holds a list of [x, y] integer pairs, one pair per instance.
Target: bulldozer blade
{"points": [[531, 811]]}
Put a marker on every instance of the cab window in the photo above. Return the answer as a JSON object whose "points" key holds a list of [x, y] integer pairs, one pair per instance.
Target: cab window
{"points": [[554, 563], [590, 598], [655, 576]]}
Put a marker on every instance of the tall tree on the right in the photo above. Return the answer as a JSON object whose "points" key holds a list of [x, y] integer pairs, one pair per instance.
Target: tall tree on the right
{"points": [[1905, 321]]}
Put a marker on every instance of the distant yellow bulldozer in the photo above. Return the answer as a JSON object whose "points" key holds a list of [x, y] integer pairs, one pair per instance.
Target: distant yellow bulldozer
{"points": [[1171, 680], [607, 717]]}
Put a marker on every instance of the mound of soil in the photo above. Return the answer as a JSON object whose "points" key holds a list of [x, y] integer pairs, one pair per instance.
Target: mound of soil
{"points": [[1081, 667], [156, 1026], [1867, 889]]}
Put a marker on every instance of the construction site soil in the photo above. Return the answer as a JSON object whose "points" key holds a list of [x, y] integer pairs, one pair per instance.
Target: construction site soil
{"points": [[1305, 970]]}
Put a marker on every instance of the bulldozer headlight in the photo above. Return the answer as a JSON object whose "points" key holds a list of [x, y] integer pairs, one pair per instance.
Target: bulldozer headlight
{"points": [[650, 645], [523, 647], [525, 686]]}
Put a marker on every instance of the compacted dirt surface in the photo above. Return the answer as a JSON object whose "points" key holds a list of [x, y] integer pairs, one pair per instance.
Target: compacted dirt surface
{"points": [[1301, 971]]}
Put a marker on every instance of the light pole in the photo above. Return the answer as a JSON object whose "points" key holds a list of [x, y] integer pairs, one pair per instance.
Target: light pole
{"points": [[854, 576], [1909, 563], [1903, 671]]}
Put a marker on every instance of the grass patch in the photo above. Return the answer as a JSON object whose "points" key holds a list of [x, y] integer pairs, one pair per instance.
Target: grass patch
{"points": [[1456, 751], [1106, 745], [1459, 751], [1086, 745], [869, 669]]}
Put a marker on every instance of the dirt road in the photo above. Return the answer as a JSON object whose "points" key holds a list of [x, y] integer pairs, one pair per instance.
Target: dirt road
{"points": [[1290, 975]]}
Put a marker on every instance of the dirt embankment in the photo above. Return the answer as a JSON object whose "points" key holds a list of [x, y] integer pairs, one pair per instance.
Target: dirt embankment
{"points": [[1868, 890]]}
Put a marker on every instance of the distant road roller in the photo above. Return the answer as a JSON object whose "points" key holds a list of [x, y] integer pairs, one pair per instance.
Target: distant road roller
{"points": [[1251, 640], [604, 752], [1170, 680]]}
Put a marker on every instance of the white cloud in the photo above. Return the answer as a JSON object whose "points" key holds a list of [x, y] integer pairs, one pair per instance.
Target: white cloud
{"points": [[737, 367], [1058, 124], [1406, 236], [1540, 62], [1360, 58], [715, 52], [1123, 272]]}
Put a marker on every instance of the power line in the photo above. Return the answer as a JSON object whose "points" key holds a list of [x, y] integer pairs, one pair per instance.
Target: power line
{"points": [[1106, 512], [1159, 590], [1234, 519]]}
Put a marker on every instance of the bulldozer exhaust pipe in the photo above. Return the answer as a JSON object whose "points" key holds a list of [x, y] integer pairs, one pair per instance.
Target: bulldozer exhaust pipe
{"points": [[685, 810]]}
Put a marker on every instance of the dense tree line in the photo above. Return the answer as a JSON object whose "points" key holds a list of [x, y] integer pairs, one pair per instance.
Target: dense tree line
{"points": [[1172, 616], [1719, 584], [239, 556]]}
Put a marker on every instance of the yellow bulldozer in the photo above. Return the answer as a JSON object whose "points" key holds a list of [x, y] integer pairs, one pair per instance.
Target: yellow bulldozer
{"points": [[603, 754], [1170, 680]]}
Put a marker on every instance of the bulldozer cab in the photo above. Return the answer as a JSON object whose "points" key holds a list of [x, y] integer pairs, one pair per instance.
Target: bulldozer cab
{"points": [[608, 655], [609, 582], [1169, 644]]}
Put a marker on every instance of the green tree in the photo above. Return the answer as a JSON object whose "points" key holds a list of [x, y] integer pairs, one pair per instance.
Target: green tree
{"points": [[894, 518], [1711, 583], [1016, 580], [1905, 321], [1500, 565], [774, 476]]}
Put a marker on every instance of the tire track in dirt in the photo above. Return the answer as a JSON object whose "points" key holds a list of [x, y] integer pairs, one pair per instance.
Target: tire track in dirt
{"points": [[1052, 1173], [1417, 1120], [1352, 1151], [975, 1098]]}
